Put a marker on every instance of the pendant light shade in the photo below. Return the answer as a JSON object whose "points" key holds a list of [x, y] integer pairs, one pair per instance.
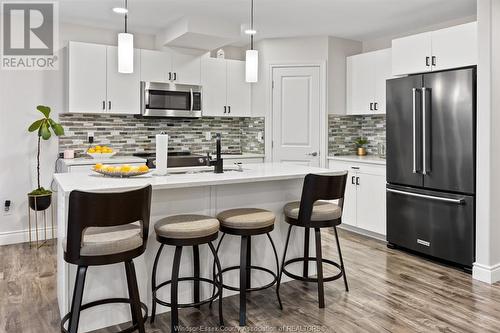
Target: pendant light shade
{"points": [[252, 66], [252, 56], [125, 48], [125, 53]]}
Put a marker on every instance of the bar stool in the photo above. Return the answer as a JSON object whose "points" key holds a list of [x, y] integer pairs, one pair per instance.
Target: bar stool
{"points": [[104, 229], [180, 231], [311, 212], [247, 222]]}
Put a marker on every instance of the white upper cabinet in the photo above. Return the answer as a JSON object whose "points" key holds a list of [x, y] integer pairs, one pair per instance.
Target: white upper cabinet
{"points": [[123, 90], [186, 68], [155, 66], [238, 90], [87, 78], [412, 54], [448, 48], [225, 92], [455, 47], [94, 84], [366, 80]]}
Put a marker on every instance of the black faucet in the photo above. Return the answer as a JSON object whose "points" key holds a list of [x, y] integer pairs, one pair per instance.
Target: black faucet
{"points": [[217, 163]]}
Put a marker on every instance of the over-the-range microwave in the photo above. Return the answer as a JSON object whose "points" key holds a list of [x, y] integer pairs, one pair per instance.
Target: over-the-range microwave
{"points": [[170, 100]]}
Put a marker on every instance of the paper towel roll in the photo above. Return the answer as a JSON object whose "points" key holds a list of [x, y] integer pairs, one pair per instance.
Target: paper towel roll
{"points": [[161, 154]]}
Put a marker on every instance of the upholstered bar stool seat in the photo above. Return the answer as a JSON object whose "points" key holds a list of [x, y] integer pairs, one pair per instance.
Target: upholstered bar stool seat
{"points": [[187, 226], [247, 222], [186, 230], [322, 211], [246, 218]]}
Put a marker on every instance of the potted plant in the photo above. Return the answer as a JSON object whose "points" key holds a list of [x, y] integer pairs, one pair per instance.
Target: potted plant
{"points": [[40, 198], [360, 145]]}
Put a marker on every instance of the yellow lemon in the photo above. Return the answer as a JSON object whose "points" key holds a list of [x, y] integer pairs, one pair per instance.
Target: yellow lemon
{"points": [[98, 166], [125, 168], [91, 151], [143, 168]]}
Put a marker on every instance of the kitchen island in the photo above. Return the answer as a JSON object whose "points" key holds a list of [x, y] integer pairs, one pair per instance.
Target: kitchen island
{"points": [[265, 185]]}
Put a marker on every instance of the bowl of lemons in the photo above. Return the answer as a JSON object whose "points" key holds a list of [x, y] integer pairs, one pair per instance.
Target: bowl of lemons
{"points": [[120, 171], [100, 152]]}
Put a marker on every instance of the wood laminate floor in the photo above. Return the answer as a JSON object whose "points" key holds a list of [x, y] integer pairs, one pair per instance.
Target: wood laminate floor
{"points": [[390, 291]]}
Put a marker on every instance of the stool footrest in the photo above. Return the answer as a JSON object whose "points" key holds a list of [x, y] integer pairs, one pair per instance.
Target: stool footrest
{"points": [[103, 302], [309, 279], [187, 305], [272, 283]]}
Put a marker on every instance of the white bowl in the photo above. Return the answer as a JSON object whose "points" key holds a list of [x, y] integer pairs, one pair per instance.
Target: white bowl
{"points": [[99, 156]]}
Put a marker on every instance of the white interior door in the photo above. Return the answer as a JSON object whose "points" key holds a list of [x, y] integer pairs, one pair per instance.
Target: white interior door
{"points": [[296, 115]]}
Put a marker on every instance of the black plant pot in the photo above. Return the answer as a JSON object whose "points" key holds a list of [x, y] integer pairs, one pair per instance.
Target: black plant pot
{"points": [[40, 202]]}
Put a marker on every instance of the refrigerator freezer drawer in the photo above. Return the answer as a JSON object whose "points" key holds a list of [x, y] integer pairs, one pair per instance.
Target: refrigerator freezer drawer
{"points": [[433, 223]]}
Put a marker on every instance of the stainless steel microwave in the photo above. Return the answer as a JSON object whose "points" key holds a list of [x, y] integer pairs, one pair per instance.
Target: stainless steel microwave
{"points": [[170, 100]]}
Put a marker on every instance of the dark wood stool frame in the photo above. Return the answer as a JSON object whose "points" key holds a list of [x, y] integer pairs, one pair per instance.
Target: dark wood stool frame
{"points": [[316, 187], [106, 209], [175, 279], [246, 266]]}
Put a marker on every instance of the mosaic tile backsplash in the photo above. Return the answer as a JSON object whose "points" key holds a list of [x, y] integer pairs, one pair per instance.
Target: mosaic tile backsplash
{"points": [[129, 135], [343, 130]]}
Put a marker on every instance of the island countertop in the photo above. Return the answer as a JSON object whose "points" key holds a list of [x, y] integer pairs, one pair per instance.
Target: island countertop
{"points": [[251, 173]]}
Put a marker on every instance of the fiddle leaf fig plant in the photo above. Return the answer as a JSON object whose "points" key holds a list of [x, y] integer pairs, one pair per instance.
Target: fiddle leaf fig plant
{"points": [[44, 128]]}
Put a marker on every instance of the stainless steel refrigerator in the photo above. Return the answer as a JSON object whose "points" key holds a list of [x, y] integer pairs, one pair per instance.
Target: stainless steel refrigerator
{"points": [[431, 163]]}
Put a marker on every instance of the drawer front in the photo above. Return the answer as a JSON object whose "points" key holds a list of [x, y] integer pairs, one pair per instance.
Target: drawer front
{"points": [[367, 168], [432, 223]]}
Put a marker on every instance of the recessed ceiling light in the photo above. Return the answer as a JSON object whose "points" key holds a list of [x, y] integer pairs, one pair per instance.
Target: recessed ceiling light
{"points": [[250, 31], [120, 10]]}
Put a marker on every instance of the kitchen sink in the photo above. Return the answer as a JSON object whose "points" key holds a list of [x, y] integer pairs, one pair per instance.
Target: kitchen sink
{"points": [[197, 170]]}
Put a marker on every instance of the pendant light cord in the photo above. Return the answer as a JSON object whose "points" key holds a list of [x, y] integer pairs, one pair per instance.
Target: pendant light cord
{"points": [[251, 24], [126, 15]]}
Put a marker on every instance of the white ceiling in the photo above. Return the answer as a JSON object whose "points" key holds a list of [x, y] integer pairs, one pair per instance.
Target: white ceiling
{"points": [[353, 19]]}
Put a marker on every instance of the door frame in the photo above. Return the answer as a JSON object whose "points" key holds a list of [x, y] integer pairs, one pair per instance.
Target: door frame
{"points": [[323, 115]]}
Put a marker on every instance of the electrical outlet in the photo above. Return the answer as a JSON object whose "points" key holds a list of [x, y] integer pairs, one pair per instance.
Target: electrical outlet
{"points": [[260, 137], [7, 208], [90, 137], [208, 136]]}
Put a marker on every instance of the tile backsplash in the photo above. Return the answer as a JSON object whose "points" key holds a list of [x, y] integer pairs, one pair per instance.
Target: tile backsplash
{"points": [[128, 134], [343, 130]]}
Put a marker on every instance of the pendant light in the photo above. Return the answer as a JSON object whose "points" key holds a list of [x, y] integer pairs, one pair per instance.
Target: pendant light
{"points": [[125, 48], [252, 56]]}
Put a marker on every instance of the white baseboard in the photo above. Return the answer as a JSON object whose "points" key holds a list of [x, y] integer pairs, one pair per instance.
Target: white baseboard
{"points": [[488, 274], [22, 236], [363, 232]]}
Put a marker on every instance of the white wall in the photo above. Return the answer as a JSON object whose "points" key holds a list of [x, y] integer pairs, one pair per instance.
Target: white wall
{"points": [[487, 265], [20, 93]]}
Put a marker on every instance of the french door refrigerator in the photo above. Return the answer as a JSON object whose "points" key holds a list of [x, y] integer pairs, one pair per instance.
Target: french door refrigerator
{"points": [[431, 138]]}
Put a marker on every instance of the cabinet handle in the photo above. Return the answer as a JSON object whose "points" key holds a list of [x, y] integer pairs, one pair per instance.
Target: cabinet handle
{"points": [[225, 109], [357, 180], [375, 106], [104, 105], [371, 106], [355, 168], [109, 105], [170, 76], [175, 76], [433, 60], [352, 180], [427, 59], [229, 109]]}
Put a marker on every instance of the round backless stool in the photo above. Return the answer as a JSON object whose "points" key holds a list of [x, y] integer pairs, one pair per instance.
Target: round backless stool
{"points": [[247, 222], [313, 211], [105, 229], [180, 231]]}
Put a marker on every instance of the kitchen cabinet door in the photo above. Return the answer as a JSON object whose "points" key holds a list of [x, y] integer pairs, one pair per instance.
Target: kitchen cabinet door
{"points": [[86, 78], [349, 213], [214, 82], [455, 47], [360, 84], [155, 66], [412, 54], [371, 203], [186, 68], [123, 90], [238, 90], [382, 74]]}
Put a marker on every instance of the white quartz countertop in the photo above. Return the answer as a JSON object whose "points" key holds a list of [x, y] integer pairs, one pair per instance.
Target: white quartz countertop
{"points": [[359, 159], [111, 160], [242, 156], [251, 173]]}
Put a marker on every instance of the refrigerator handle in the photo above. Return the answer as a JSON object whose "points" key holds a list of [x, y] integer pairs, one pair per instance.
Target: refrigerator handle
{"points": [[425, 196], [414, 90], [424, 131]]}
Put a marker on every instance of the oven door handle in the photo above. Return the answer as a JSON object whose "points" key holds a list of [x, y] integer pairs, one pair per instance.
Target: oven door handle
{"points": [[192, 99], [430, 197]]}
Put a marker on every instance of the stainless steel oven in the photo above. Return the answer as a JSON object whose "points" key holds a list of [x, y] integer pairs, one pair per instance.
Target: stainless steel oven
{"points": [[170, 100]]}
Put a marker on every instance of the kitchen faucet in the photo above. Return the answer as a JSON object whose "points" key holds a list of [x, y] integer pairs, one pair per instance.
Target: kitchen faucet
{"points": [[217, 163]]}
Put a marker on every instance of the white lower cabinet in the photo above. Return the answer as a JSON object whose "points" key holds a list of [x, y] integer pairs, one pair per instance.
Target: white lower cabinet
{"points": [[365, 199]]}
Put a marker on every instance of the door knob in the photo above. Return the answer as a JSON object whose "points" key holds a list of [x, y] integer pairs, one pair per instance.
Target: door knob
{"points": [[314, 153]]}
